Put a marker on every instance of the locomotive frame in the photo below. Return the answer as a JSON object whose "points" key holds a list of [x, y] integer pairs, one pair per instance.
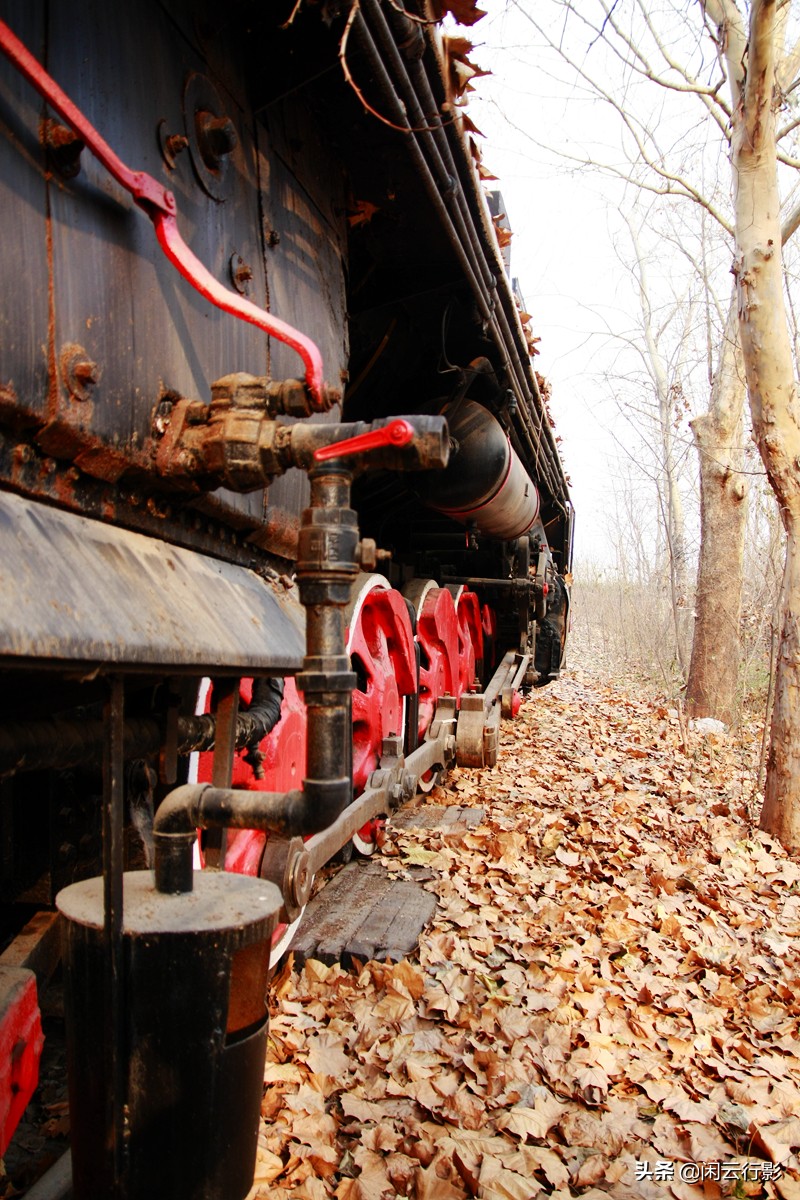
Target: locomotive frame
{"points": [[390, 534]]}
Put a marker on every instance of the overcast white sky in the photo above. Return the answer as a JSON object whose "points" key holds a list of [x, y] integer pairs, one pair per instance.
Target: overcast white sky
{"points": [[564, 221]]}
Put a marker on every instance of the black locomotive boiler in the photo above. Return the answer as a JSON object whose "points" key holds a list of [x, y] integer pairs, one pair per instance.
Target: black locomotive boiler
{"points": [[283, 526]]}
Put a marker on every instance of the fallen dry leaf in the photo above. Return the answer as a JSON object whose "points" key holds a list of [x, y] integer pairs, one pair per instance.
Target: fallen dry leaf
{"points": [[612, 978]]}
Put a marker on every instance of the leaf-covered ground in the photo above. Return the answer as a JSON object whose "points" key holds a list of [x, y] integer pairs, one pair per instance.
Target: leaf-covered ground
{"points": [[605, 1005]]}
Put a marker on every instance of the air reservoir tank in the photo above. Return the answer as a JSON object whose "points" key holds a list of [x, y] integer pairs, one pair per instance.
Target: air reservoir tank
{"points": [[485, 484]]}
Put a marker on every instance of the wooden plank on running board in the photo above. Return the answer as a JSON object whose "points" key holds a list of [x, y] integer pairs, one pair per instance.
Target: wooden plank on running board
{"points": [[438, 816], [363, 913]]}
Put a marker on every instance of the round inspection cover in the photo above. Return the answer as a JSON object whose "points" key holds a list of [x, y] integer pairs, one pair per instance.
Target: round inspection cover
{"points": [[212, 168]]}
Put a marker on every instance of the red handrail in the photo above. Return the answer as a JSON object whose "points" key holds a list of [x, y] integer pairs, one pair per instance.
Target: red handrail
{"points": [[159, 204]]}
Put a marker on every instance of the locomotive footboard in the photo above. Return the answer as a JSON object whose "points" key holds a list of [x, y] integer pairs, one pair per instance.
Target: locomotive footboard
{"points": [[284, 529]]}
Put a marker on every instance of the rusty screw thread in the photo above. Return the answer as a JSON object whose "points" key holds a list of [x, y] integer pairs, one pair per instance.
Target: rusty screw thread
{"points": [[175, 143]]}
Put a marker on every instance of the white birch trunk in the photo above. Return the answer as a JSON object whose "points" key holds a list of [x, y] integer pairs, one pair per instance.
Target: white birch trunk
{"points": [[714, 670], [670, 498], [772, 391]]}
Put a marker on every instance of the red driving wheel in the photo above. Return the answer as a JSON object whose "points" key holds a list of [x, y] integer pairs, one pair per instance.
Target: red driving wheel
{"points": [[470, 638], [284, 751], [380, 643], [437, 634]]}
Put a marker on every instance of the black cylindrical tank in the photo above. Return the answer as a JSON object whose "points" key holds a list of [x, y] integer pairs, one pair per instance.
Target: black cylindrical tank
{"points": [[194, 1041], [484, 484]]}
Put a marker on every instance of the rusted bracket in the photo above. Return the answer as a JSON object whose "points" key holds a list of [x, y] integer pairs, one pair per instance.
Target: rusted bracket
{"points": [[478, 730], [159, 204]]}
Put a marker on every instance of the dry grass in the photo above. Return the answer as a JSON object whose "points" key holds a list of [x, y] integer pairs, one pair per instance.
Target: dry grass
{"points": [[628, 631]]}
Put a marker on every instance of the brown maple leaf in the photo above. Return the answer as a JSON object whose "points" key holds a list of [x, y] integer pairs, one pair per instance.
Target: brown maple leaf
{"points": [[465, 12], [362, 213]]}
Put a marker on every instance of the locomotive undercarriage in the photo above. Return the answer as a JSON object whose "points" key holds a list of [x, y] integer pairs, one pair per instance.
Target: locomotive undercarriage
{"points": [[181, 649], [417, 707]]}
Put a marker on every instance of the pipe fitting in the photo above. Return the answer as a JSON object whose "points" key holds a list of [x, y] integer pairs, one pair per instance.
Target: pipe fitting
{"points": [[203, 806], [173, 862], [326, 567], [319, 682]]}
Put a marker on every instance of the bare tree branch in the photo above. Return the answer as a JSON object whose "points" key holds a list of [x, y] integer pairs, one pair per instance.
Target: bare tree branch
{"points": [[790, 224]]}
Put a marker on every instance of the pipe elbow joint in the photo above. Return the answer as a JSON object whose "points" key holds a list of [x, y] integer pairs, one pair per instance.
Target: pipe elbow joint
{"points": [[324, 800], [179, 812], [174, 832]]}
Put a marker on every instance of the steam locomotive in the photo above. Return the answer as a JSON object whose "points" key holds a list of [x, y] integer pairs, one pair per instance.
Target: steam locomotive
{"points": [[283, 526]]}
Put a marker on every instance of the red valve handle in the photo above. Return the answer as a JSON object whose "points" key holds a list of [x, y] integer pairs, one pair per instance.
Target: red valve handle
{"points": [[396, 433]]}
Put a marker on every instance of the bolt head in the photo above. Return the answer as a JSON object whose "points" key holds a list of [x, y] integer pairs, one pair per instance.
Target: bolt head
{"points": [[78, 372]]}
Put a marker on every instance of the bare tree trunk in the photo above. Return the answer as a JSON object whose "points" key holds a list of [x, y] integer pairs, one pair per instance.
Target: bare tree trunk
{"points": [[781, 811], [772, 390], [714, 668], [669, 495]]}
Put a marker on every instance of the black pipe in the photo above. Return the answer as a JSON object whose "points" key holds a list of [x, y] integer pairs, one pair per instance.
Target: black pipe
{"points": [[59, 743], [202, 806], [326, 567], [398, 115], [450, 220], [427, 124], [421, 84]]}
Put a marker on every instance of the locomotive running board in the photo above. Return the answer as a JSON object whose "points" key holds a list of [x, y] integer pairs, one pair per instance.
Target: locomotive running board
{"points": [[76, 592]]}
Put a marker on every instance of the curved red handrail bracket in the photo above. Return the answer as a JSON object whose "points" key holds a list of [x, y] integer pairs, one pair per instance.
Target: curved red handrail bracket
{"points": [[200, 277], [159, 204]]}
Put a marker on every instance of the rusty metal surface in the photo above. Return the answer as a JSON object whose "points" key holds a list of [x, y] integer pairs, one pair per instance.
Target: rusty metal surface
{"points": [[104, 274], [210, 136], [23, 240], [219, 902], [81, 592]]}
